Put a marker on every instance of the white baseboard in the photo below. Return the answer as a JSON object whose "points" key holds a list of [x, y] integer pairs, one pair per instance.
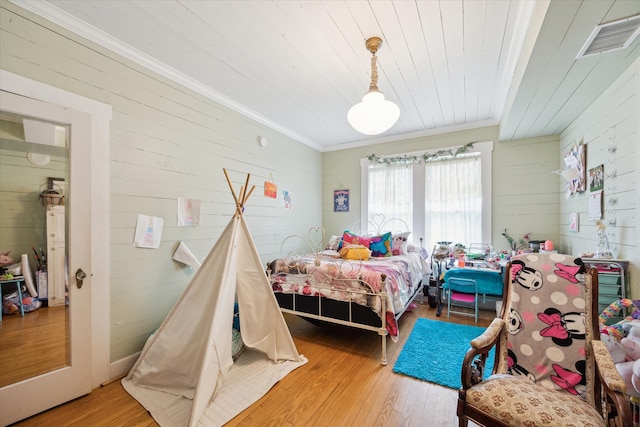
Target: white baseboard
{"points": [[120, 368]]}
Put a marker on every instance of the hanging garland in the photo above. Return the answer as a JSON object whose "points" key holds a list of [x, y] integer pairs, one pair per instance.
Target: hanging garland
{"points": [[419, 159]]}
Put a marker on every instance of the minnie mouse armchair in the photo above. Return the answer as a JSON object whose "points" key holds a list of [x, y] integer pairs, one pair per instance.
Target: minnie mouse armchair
{"points": [[550, 367]]}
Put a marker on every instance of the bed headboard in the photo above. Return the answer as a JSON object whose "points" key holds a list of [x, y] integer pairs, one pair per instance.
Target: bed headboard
{"points": [[379, 224]]}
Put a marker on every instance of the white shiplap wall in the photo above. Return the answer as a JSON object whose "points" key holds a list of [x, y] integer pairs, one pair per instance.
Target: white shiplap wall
{"points": [[166, 142], [610, 129], [525, 192]]}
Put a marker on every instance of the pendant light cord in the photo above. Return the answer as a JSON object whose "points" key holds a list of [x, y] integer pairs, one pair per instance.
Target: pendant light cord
{"points": [[374, 73]]}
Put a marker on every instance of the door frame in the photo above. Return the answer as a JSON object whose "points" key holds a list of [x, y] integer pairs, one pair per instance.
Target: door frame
{"points": [[95, 124]]}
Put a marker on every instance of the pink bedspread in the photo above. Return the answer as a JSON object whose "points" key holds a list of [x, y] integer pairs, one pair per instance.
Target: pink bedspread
{"points": [[356, 281]]}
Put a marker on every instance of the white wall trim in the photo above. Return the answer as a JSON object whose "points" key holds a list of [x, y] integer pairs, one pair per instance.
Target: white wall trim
{"points": [[36, 90], [121, 367]]}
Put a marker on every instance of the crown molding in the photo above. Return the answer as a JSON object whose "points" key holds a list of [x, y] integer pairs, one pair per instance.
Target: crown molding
{"points": [[414, 135]]}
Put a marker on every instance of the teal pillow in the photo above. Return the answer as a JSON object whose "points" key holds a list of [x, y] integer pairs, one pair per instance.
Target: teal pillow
{"points": [[380, 246]]}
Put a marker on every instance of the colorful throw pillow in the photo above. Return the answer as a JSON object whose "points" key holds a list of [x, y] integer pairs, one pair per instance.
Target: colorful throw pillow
{"points": [[399, 243], [355, 252], [349, 238], [380, 245]]}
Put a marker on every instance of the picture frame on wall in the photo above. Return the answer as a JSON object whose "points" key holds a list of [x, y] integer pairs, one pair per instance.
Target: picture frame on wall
{"points": [[576, 159], [596, 178], [341, 200], [574, 222]]}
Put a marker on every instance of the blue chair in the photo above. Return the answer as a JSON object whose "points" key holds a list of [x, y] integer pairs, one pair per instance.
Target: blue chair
{"points": [[462, 293], [18, 282]]}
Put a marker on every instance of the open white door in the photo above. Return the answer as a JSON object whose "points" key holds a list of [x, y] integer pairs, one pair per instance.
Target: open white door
{"points": [[33, 395]]}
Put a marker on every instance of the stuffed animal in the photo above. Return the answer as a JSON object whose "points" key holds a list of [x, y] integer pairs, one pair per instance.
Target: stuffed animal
{"points": [[629, 369], [615, 309], [618, 353], [635, 376], [5, 259], [630, 373], [631, 342]]}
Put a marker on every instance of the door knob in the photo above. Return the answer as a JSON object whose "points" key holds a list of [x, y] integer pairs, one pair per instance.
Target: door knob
{"points": [[80, 276]]}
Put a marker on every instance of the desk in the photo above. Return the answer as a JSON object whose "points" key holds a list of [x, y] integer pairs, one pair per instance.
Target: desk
{"points": [[17, 281], [490, 282]]}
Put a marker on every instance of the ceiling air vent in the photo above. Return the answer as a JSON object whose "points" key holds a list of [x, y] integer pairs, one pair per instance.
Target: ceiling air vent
{"points": [[611, 36]]}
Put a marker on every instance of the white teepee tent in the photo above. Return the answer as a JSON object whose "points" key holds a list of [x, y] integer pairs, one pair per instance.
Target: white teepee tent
{"points": [[185, 374]]}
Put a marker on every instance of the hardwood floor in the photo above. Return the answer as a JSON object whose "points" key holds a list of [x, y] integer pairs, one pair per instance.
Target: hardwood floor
{"points": [[343, 384], [40, 338]]}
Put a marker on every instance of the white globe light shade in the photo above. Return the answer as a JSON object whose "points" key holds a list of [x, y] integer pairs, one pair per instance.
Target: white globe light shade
{"points": [[374, 115]]}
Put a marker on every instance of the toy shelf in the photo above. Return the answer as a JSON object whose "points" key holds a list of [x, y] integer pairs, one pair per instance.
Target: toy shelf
{"points": [[612, 281]]}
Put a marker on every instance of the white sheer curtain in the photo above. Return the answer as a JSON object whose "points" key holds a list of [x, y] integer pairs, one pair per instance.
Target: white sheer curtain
{"points": [[390, 192], [453, 200]]}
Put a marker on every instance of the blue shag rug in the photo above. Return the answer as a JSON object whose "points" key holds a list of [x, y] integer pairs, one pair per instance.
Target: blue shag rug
{"points": [[435, 350]]}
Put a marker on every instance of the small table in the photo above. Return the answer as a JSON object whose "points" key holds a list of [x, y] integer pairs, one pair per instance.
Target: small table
{"points": [[17, 281], [490, 282]]}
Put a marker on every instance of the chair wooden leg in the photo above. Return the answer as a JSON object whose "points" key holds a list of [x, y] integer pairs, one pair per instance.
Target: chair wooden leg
{"points": [[463, 422]]}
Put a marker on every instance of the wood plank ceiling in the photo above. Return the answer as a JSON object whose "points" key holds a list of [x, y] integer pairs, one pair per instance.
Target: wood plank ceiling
{"points": [[298, 66]]}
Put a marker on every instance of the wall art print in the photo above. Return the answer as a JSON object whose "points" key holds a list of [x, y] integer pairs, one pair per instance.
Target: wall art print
{"points": [[574, 222], [341, 200], [287, 200], [270, 190], [576, 157]]}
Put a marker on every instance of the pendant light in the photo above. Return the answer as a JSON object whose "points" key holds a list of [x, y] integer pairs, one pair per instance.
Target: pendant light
{"points": [[374, 115]]}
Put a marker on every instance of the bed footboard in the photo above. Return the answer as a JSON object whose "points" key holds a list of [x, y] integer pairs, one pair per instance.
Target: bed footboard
{"points": [[347, 313]]}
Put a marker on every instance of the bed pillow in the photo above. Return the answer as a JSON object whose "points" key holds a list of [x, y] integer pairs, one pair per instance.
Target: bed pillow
{"points": [[334, 243], [349, 238], [399, 243], [355, 252], [380, 245]]}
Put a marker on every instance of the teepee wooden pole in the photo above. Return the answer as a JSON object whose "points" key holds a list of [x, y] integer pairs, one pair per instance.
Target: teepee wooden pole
{"points": [[246, 187], [233, 193], [230, 185], [253, 187]]}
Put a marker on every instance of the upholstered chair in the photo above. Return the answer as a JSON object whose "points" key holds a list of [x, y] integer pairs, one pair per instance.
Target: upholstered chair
{"points": [[550, 368]]}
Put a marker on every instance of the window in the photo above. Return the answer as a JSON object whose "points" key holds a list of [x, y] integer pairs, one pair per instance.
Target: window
{"points": [[443, 198], [453, 199], [391, 193]]}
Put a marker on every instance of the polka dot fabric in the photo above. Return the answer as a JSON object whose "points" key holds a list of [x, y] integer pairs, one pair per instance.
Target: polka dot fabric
{"points": [[548, 330]]}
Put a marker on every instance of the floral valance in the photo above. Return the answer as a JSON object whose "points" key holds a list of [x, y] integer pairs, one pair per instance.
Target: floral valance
{"points": [[405, 159]]}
